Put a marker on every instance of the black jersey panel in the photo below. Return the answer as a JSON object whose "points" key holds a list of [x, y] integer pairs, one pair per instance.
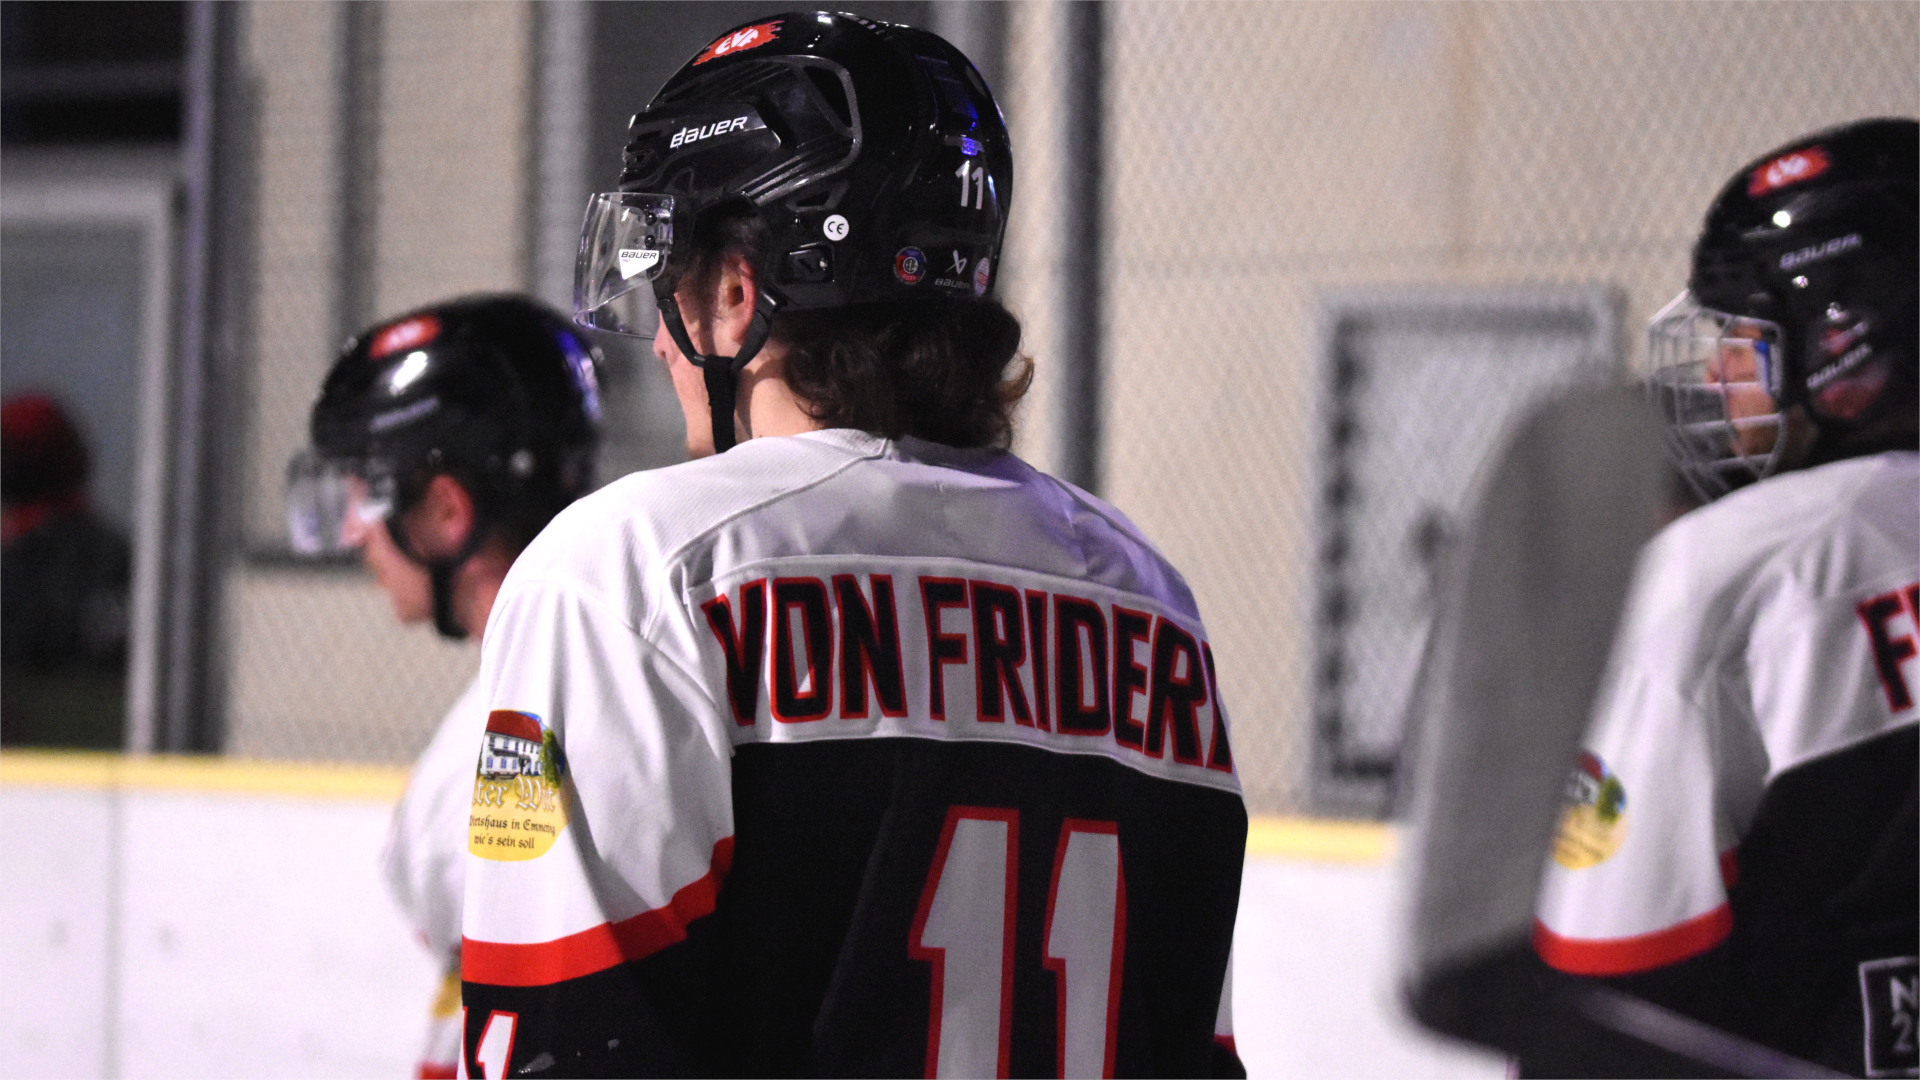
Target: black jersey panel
{"points": [[809, 965], [1829, 879], [1828, 883], [636, 1019], [869, 1006]]}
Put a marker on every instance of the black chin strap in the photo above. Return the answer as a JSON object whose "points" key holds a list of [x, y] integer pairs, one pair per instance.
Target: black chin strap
{"points": [[441, 575], [722, 374], [440, 572]]}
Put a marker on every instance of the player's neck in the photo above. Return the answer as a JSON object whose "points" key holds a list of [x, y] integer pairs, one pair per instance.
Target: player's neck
{"points": [[767, 405], [482, 576]]}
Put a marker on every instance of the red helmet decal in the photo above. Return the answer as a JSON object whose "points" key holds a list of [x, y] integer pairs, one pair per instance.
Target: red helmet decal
{"points": [[1788, 169], [749, 37], [406, 334]]}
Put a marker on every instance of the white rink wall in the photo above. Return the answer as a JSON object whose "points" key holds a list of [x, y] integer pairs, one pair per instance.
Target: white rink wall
{"points": [[187, 925], [163, 919]]}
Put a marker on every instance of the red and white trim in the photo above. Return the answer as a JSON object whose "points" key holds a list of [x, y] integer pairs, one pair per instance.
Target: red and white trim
{"points": [[601, 947], [1629, 955]]}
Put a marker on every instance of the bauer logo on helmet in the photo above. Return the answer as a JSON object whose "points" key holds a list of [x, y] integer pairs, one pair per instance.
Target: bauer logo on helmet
{"points": [[689, 135]]}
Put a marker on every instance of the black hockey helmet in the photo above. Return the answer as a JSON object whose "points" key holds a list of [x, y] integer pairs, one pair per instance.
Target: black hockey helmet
{"points": [[499, 392], [873, 153], [1806, 263]]}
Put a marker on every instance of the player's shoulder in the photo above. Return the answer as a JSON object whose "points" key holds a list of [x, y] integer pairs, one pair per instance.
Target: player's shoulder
{"points": [[1053, 526], [845, 492], [1806, 503], [1788, 526], [1836, 488], [601, 543]]}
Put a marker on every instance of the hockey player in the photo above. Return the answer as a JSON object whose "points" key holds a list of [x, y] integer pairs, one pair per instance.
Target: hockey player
{"points": [[443, 440], [1740, 839], [858, 747]]}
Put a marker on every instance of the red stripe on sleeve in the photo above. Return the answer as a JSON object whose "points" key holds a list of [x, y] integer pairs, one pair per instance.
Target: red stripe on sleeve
{"points": [[605, 946], [1642, 952], [1729, 868]]}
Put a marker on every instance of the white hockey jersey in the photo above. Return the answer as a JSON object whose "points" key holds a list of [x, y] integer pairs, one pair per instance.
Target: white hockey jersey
{"points": [[425, 860], [1752, 747], [840, 754]]}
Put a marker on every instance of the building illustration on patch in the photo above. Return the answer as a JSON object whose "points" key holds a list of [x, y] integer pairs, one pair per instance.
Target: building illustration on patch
{"points": [[512, 747], [1594, 823]]}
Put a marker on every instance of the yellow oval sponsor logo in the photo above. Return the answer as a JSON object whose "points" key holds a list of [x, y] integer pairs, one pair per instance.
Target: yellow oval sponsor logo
{"points": [[519, 789], [1595, 821]]}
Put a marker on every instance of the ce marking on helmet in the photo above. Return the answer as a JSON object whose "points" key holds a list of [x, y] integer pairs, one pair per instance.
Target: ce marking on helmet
{"points": [[835, 227]]}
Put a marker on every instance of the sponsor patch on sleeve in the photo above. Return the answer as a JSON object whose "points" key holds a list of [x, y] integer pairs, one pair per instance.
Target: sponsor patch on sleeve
{"points": [[519, 795], [1595, 820]]}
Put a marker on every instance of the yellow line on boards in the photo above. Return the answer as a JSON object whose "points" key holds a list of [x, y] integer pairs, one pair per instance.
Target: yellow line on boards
{"points": [[168, 772], [1318, 839], [1268, 836]]}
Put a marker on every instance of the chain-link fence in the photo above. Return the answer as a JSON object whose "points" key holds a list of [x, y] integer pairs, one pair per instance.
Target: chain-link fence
{"points": [[1263, 165], [1263, 157]]}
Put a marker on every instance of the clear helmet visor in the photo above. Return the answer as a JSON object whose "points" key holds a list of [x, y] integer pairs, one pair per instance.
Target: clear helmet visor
{"points": [[1717, 378], [331, 504], [624, 244]]}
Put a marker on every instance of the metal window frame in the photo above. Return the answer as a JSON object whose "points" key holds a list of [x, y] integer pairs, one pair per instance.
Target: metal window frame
{"points": [[1344, 780], [147, 206]]}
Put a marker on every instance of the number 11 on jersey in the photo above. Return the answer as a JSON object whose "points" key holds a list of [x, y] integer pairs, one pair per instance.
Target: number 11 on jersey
{"points": [[964, 930]]}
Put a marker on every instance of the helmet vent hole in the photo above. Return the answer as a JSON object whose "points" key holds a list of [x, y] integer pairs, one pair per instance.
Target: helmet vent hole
{"points": [[834, 94]]}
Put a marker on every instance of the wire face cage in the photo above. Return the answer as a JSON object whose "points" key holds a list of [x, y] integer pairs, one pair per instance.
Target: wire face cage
{"points": [[1717, 379]]}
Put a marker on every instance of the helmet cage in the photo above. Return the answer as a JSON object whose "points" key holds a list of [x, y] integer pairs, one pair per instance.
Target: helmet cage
{"points": [[1718, 379]]}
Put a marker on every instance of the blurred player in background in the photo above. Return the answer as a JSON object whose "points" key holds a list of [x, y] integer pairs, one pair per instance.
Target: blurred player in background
{"points": [[65, 575], [858, 747], [443, 441], [1740, 842]]}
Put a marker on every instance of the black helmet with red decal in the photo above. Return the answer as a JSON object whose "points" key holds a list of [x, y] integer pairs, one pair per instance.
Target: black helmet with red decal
{"points": [[1803, 288], [497, 391], [872, 154]]}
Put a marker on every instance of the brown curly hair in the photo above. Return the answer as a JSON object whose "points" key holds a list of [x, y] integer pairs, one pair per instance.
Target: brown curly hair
{"points": [[946, 370]]}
